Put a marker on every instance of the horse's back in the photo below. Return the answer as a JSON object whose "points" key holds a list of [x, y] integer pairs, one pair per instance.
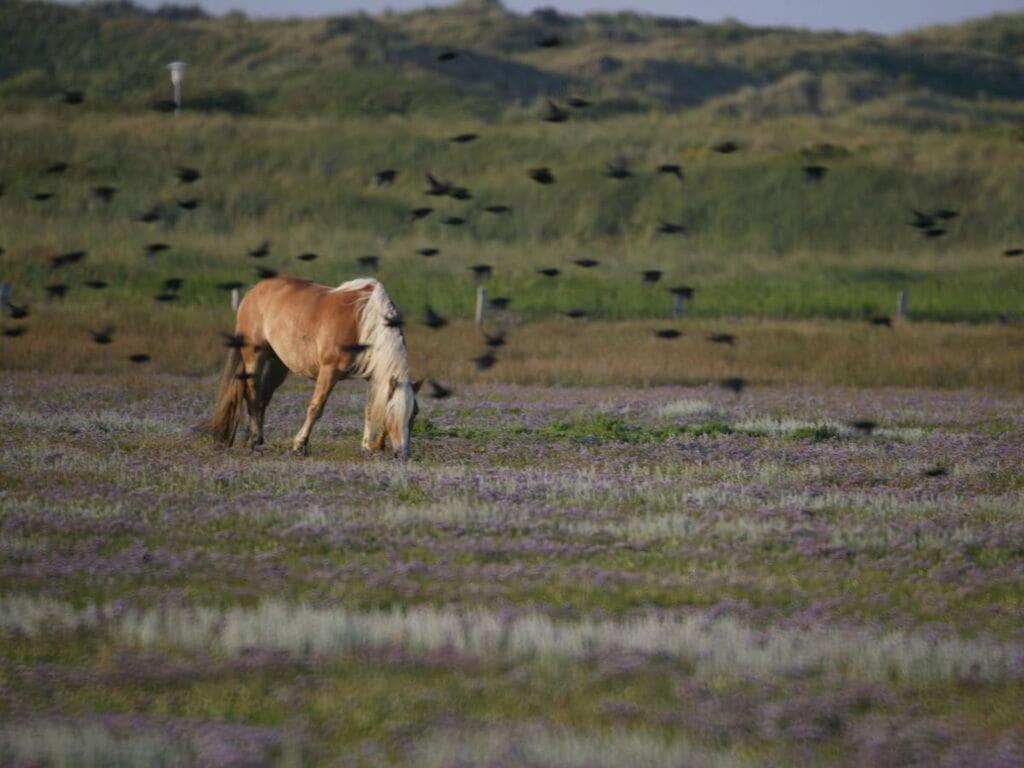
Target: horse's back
{"points": [[305, 323]]}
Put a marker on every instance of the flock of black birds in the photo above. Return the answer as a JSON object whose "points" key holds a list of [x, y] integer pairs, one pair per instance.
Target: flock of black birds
{"points": [[932, 224]]}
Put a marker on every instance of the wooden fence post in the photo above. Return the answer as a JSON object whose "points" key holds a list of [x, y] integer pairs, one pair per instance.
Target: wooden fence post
{"points": [[680, 294], [5, 294], [678, 306], [902, 305], [235, 298], [481, 303]]}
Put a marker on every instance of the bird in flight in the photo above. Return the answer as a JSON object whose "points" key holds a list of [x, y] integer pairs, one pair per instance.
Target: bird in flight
{"points": [[554, 113], [433, 320], [439, 391], [542, 175]]}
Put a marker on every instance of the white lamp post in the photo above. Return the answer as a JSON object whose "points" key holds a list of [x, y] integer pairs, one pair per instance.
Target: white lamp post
{"points": [[177, 78]]}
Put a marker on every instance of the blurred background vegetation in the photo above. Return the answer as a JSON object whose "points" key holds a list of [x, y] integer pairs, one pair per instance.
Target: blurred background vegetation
{"points": [[289, 120]]}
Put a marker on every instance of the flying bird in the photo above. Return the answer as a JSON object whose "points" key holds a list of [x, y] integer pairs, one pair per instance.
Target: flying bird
{"points": [[187, 175], [103, 335], [734, 384], [261, 251], [485, 361], [421, 213], [550, 271], [173, 284], [386, 177], [15, 312], [148, 217], [542, 175], [71, 257], [500, 302], [814, 173], [577, 103], [481, 270], [57, 168], [576, 314], [668, 333], [668, 228], [617, 170], [497, 209], [671, 169], [139, 357], [439, 391], [436, 187], [935, 472], [166, 297], [464, 138], [945, 214], [433, 320], [154, 248], [42, 197], [726, 147], [934, 232], [447, 55], [427, 252], [921, 220], [495, 340], [722, 338], [554, 113], [265, 274], [368, 261], [864, 426], [586, 263], [453, 221], [234, 340], [96, 285], [308, 256], [882, 320], [15, 332], [72, 97], [105, 193], [651, 275], [1013, 252], [188, 205], [461, 193]]}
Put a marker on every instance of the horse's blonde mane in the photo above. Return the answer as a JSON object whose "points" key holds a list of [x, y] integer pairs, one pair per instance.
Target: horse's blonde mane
{"points": [[386, 357]]}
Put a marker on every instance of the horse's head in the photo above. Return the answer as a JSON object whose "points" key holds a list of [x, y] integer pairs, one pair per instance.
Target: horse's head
{"points": [[400, 411]]}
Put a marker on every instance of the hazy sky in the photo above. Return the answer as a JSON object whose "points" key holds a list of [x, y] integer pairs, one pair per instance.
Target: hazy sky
{"points": [[874, 15]]}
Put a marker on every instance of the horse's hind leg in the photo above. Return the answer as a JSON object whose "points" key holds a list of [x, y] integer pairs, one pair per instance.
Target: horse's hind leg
{"points": [[271, 375], [325, 381], [254, 360]]}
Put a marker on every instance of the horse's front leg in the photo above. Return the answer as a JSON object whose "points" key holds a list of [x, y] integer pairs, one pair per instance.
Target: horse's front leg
{"points": [[371, 431], [325, 381]]}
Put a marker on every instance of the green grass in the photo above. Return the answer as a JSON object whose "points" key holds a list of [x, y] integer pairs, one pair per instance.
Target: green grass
{"points": [[289, 120]]}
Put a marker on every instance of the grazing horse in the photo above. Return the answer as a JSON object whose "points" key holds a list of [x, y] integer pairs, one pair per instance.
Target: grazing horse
{"points": [[325, 334]]}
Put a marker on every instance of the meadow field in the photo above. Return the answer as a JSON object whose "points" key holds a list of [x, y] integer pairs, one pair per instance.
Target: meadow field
{"points": [[561, 576], [597, 555]]}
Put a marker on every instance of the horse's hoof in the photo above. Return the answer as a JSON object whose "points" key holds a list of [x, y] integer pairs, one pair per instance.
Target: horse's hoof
{"points": [[300, 450]]}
